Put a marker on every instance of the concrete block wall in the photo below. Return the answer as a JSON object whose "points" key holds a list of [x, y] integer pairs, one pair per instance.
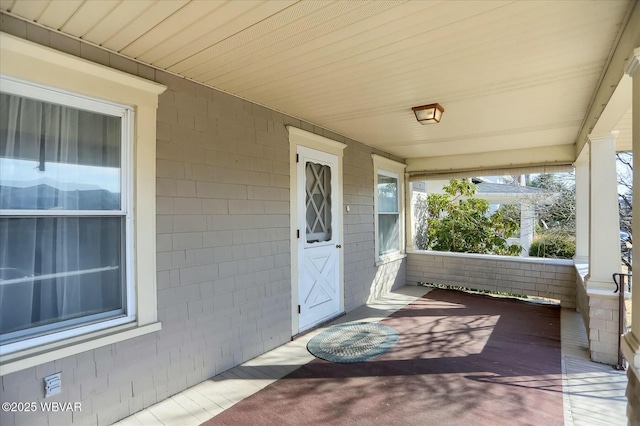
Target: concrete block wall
{"points": [[550, 278], [599, 310], [603, 327], [388, 276], [582, 300], [223, 249]]}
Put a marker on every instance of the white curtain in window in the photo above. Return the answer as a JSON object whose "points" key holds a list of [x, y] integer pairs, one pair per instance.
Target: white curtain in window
{"points": [[57, 268], [388, 215]]}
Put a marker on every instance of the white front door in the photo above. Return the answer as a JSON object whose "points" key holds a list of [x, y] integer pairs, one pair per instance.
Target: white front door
{"points": [[318, 210]]}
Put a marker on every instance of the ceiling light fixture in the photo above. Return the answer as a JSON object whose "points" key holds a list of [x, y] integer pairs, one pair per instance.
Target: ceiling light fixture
{"points": [[428, 114]]}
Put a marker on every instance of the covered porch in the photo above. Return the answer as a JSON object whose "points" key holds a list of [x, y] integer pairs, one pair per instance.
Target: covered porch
{"points": [[586, 392], [224, 94]]}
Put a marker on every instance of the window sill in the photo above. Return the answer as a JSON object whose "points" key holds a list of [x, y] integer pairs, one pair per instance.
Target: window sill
{"points": [[36, 356], [390, 258]]}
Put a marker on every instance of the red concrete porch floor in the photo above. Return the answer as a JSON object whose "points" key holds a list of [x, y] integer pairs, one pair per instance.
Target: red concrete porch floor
{"points": [[461, 359]]}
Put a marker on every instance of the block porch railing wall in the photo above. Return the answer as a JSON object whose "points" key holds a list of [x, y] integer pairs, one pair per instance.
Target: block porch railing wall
{"points": [[549, 278]]}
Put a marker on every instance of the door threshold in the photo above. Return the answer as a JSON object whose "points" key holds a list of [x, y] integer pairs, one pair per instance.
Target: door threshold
{"points": [[317, 326]]}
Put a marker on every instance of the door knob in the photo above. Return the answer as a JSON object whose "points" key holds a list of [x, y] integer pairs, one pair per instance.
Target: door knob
{"points": [[338, 246]]}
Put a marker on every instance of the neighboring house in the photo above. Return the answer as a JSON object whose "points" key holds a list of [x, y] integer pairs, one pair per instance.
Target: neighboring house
{"points": [[182, 230], [526, 197]]}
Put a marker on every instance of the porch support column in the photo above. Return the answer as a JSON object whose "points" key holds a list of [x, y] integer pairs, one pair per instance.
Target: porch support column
{"points": [[631, 340], [604, 220], [527, 226], [604, 249], [582, 210]]}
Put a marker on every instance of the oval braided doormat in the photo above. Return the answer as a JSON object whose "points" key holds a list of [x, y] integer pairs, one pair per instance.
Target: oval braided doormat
{"points": [[353, 342]]}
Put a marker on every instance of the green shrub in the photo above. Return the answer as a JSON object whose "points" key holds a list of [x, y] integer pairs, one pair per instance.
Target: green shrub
{"points": [[457, 222], [556, 246]]}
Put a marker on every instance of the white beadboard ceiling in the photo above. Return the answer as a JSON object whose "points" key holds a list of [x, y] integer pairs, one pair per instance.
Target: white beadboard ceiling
{"points": [[510, 74]]}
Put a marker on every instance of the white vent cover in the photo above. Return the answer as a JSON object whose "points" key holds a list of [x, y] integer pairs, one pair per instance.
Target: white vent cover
{"points": [[52, 385]]}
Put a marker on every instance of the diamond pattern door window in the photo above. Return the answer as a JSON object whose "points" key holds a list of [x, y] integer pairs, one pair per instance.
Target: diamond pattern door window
{"points": [[318, 202]]}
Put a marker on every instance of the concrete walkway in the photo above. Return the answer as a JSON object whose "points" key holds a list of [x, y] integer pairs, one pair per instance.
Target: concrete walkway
{"points": [[593, 393]]}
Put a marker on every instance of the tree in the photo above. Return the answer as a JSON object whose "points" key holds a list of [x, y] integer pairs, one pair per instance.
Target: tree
{"points": [[560, 216], [556, 221], [513, 213], [456, 221], [625, 196]]}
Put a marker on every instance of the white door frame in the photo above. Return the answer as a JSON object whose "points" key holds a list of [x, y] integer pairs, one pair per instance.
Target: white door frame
{"points": [[298, 137]]}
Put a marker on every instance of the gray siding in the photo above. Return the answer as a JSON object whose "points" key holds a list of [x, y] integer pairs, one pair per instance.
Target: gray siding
{"points": [[223, 249], [550, 278]]}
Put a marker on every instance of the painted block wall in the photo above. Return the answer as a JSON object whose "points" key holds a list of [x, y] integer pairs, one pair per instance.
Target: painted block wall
{"points": [[603, 327], [223, 249], [582, 300], [550, 278], [599, 310]]}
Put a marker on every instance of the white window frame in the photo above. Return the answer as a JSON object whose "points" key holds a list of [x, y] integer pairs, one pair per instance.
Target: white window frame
{"points": [[66, 75], [386, 167], [41, 93]]}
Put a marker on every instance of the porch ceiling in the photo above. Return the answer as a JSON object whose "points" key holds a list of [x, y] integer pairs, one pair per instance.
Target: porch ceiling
{"points": [[510, 75]]}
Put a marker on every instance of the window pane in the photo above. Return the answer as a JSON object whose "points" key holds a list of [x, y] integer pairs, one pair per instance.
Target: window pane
{"points": [[57, 157], [389, 233], [387, 194], [318, 202], [58, 272]]}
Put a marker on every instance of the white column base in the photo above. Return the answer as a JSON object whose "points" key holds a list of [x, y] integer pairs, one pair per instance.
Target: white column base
{"points": [[600, 285]]}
